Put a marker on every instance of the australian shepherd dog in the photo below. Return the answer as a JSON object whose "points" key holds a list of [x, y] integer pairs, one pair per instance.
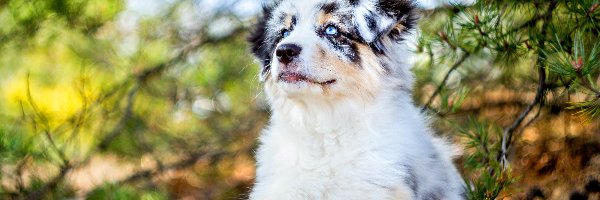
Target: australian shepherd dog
{"points": [[343, 123]]}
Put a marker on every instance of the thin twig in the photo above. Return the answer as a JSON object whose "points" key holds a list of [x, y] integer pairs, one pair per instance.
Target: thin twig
{"points": [[128, 113], [535, 117], [509, 132], [443, 83], [586, 83], [188, 162], [19, 174], [46, 127], [40, 193]]}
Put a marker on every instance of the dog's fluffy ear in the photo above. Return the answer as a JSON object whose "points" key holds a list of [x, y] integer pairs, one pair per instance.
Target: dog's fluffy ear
{"points": [[259, 43], [375, 19]]}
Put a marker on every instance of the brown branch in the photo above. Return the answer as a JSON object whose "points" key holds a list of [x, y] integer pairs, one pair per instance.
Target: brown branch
{"points": [[535, 117], [479, 108], [19, 173], [44, 120], [40, 193], [118, 129], [509, 132], [185, 163], [440, 87]]}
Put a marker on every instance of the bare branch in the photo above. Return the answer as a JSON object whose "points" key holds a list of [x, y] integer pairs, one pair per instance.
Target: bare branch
{"points": [[440, 87], [587, 84], [118, 129], [40, 193], [509, 132], [46, 126], [185, 163]]}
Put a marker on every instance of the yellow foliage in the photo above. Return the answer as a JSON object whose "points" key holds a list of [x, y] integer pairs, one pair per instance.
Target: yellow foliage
{"points": [[56, 103]]}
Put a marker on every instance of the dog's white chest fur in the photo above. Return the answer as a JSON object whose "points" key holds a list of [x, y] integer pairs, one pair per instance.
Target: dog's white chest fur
{"points": [[346, 151]]}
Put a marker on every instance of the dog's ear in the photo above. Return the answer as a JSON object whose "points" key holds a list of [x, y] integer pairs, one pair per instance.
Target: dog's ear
{"points": [[375, 19], [259, 43]]}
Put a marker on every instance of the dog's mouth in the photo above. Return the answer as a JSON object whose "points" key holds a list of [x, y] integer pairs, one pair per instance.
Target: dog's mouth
{"points": [[291, 77]]}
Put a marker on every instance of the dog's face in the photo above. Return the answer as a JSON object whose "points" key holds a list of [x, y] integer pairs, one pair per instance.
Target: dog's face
{"points": [[328, 48]]}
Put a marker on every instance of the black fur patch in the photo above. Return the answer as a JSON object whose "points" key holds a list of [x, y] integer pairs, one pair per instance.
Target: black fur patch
{"points": [[377, 47], [436, 194], [371, 23], [404, 11], [345, 45], [294, 20], [411, 180], [354, 2], [354, 56], [260, 47], [329, 8], [385, 67]]}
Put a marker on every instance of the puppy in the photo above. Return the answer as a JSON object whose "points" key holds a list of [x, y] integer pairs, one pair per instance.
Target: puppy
{"points": [[343, 124]]}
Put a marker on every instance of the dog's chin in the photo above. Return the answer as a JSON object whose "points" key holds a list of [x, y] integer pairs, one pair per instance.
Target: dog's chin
{"points": [[295, 85]]}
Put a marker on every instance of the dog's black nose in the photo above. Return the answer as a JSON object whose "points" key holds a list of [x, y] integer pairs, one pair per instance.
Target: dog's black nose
{"points": [[286, 53]]}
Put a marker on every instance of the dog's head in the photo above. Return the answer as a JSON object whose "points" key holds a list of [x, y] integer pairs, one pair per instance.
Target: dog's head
{"points": [[329, 48]]}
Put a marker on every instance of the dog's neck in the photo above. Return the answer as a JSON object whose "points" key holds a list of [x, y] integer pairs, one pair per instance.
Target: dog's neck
{"points": [[339, 116]]}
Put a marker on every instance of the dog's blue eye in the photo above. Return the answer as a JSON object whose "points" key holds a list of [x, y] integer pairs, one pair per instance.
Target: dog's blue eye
{"points": [[285, 33], [331, 31]]}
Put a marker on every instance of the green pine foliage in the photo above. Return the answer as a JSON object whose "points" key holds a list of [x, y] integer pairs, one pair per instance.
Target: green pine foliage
{"points": [[547, 48], [484, 147]]}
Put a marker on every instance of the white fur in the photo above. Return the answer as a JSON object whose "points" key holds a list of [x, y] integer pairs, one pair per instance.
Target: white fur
{"points": [[350, 151], [344, 148]]}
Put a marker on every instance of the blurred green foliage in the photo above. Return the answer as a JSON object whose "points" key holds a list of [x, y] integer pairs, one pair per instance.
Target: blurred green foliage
{"points": [[83, 81]]}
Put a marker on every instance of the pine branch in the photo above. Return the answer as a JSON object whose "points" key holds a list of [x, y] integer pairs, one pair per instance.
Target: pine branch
{"points": [[586, 83], [441, 86], [531, 22], [509, 132]]}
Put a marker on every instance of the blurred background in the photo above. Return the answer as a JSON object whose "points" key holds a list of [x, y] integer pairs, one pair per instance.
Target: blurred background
{"points": [[160, 99]]}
